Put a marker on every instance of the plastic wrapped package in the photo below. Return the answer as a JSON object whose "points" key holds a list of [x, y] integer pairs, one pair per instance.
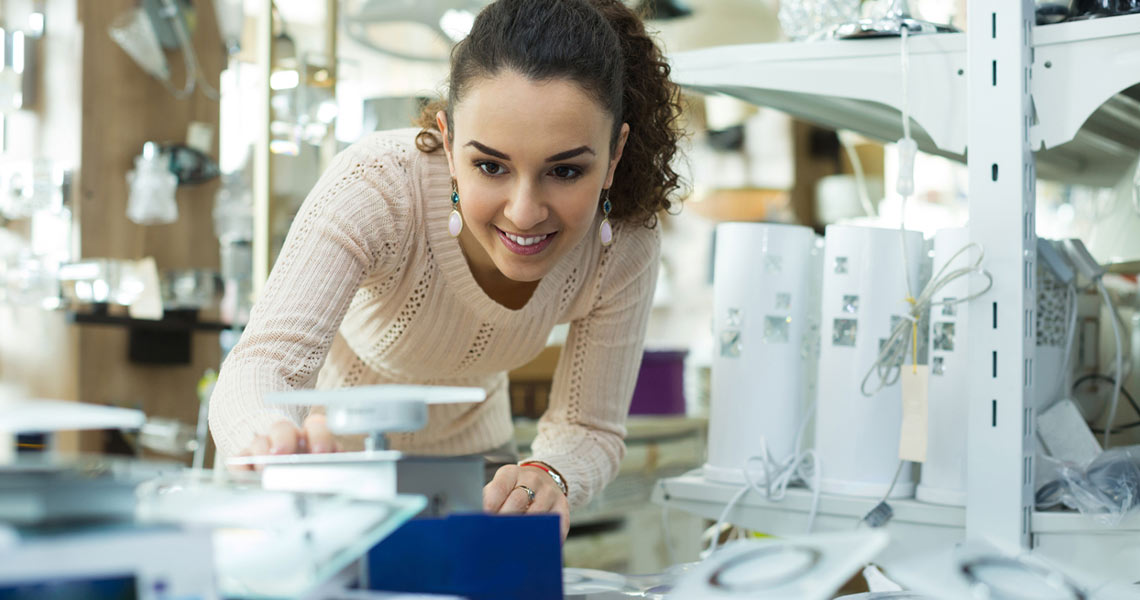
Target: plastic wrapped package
{"points": [[1106, 488]]}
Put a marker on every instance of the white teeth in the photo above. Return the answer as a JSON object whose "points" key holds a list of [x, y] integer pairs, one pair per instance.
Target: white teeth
{"points": [[525, 241]]}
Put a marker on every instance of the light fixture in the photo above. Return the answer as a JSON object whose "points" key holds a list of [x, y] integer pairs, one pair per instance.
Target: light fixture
{"points": [[762, 301], [865, 270], [944, 472], [456, 24]]}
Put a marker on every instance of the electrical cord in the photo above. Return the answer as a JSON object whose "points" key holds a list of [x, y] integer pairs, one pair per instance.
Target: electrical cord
{"points": [[904, 55], [1070, 337], [1118, 373], [881, 513], [802, 465], [907, 149], [1125, 344], [894, 481], [888, 365], [1124, 392]]}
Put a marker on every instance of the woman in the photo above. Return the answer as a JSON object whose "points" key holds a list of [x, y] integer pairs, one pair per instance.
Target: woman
{"points": [[447, 256]]}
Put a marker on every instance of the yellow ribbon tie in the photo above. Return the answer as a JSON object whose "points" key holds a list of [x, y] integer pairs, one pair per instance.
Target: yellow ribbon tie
{"points": [[913, 337]]}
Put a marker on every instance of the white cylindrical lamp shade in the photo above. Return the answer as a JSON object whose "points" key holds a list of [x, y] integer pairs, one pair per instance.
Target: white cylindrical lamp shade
{"points": [[943, 479], [864, 293], [761, 282]]}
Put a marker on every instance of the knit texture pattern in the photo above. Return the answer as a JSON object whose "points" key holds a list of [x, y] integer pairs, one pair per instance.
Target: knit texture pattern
{"points": [[369, 288]]}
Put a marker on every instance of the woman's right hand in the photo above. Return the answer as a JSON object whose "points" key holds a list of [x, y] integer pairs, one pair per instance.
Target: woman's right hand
{"points": [[285, 438]]}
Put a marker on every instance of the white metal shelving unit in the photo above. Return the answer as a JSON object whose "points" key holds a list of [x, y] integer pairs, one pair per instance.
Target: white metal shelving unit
{"points": [[1060, 97], [916, 528], [1083, 77]]}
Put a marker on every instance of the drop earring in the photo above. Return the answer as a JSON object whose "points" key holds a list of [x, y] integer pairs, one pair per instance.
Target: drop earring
{"points": [[455, 220], [606, 231]]}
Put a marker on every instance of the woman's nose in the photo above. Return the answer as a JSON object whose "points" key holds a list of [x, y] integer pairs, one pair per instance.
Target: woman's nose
{"points": [[526, 208]]}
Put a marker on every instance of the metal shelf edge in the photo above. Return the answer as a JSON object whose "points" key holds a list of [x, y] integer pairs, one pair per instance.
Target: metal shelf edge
{"points": [[693, 489]]}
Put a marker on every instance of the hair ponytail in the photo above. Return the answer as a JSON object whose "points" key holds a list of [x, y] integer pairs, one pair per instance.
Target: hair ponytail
{"points": [[602, 45], [651, 105]]}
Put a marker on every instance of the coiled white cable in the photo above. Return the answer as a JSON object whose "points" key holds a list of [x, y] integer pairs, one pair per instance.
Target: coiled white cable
{"points": [[888, 364], [802, 465]]}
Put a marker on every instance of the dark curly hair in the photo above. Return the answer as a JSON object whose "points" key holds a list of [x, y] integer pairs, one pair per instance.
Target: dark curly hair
{"points": [[602, 45]]}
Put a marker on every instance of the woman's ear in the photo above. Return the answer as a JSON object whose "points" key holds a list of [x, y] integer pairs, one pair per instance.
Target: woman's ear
{"points": [[441, 122], [623, 135]]}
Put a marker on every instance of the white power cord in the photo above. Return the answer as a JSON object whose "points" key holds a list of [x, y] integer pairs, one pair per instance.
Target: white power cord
{"points": [[1070, 339], [907, 148], [1085, 264], [802, 465], [881, 512], [1118, 375], [888, 364], [904, 32], [1125, 343]]}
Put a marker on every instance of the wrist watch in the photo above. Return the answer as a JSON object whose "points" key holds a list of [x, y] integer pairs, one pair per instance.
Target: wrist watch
{"points": [[558, 481]]}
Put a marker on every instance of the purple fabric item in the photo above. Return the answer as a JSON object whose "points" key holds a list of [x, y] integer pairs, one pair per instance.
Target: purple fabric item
{"points": [[660, 384]]}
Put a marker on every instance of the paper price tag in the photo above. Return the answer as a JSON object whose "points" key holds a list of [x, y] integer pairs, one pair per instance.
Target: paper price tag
{"points": [[912, 441]]}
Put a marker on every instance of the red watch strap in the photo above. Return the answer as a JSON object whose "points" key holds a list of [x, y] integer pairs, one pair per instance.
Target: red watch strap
{"points": [[550, 471], [538, 465]]}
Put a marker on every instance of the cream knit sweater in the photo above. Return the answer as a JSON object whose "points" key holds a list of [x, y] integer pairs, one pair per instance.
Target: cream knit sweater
{"points": [[369, 288]]}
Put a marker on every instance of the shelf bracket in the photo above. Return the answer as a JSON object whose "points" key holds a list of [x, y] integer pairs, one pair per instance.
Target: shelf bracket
{"points": [[1002, 193]]}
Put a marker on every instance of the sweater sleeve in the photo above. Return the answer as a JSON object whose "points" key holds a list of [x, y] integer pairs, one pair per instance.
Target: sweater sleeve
{"points": [[582, 433], [350, 225]]}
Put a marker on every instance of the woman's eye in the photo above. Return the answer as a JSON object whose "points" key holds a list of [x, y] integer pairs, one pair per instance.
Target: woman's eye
{"points": [[565, 172], [490, 168]]}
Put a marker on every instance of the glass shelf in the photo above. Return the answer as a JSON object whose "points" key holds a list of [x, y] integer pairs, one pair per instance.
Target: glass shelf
{"points": [[272, 544]]}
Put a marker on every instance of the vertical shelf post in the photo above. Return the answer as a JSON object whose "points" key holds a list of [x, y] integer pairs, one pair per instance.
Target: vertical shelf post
{"points": [[1002, 345], [262, 182]]}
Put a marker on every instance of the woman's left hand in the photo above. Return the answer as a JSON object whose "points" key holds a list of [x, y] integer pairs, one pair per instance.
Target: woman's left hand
{"points": [[505, 496]]}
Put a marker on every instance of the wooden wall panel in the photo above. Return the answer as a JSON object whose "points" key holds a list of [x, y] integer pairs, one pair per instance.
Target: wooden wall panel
{"points": [[123, 108]]}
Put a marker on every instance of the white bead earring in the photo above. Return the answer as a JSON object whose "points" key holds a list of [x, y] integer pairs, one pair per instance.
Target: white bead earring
{"points": [[455, 220], [606, 231]]}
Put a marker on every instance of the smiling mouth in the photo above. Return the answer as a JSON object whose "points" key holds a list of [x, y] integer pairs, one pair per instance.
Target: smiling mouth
{"points": [[525, 245], [526, 241]]}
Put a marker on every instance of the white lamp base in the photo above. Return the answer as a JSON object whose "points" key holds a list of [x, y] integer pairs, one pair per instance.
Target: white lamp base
{"points": [[948, 497]]}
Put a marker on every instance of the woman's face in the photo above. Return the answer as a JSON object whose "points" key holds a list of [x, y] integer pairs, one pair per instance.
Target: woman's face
{"points": [[530, 160]]}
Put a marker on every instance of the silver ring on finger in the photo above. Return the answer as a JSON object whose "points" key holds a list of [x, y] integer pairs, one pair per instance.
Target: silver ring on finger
{"points": [[529, 494]]}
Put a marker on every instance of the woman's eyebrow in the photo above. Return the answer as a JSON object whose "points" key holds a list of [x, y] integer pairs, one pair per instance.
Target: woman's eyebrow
{"points": [[557, 157], [487, 150], [571, 153]]}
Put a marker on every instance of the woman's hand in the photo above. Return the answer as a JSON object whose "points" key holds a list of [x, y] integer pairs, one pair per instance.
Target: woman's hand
{"points": [[284, 438], [504, 496]]}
